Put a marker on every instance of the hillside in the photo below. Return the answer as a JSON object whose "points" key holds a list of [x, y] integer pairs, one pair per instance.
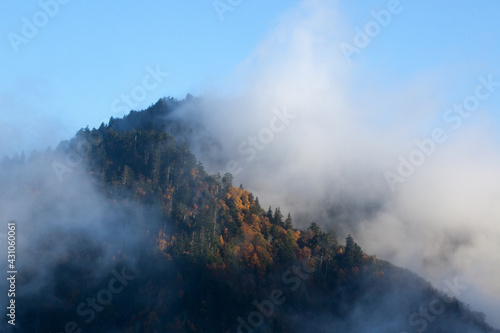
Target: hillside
{"points": [[145, 240]]}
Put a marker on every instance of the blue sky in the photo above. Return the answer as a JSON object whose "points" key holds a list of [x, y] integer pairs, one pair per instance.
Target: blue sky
{"points": [[75, 70], [89, 53]]}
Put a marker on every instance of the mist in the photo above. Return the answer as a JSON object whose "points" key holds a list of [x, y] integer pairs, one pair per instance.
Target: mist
{"points": [[27, 128], [69, 236], [323, 138]]}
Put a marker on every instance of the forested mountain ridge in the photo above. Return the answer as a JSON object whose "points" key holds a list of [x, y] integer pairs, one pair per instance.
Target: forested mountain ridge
{"points": [[210, 257]]}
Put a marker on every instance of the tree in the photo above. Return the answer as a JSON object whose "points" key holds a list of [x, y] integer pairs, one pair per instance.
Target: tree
{"points": [[269, 215], [329, 240], [255, 206], [157, 166], [278, 217], [353, 252], [349, 244], [227, 181], [288, 222], [286, 247], [127, 176], [315, 228]]}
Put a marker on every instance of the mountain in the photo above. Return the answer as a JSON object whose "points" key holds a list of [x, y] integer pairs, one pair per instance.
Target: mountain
{"points": [[121, 229]]}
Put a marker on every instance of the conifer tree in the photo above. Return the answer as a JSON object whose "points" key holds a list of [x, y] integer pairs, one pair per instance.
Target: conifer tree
{"points": [[288, 222], [278, 217]]}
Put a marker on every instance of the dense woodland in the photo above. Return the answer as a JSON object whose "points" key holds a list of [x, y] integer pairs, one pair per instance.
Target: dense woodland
{"points": [[213, 258]]}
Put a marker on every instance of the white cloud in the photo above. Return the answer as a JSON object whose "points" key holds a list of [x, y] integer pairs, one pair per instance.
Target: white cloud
{"points": [[350, 128]]}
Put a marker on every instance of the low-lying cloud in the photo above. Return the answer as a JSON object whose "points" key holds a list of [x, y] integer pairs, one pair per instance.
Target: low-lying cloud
{"points": [[348, 130], [69, 237]]}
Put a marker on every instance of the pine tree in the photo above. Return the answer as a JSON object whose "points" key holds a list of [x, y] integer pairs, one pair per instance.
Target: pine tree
{"points": [[353, 252], [288, 222], [315, 228], [227, 181], [269, 215], [278, 217], [255, 207]]}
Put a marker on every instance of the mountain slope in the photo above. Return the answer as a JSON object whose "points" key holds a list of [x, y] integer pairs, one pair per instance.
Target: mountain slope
{"points": [[145, 240]]}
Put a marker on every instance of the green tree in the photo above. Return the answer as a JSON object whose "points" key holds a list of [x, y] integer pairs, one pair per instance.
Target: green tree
{"points": [[288, 222], [315, 228], [286, 246], [278, 217], [353, 252], [227, 181], [255, 206], [269, 215]]}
